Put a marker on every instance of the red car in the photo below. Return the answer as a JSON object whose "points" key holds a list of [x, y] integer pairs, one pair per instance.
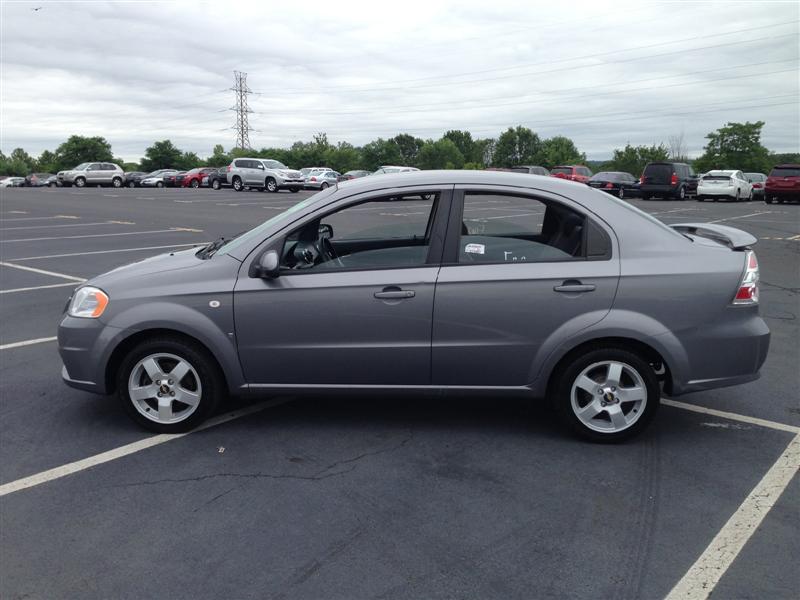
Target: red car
{"points": [[783, 184], [195, 177], [572, 172]]}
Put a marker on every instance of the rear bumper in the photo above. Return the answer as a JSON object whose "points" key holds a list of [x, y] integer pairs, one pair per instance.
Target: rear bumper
{"points": [[783, 194], [726, 192], [658, 190]]}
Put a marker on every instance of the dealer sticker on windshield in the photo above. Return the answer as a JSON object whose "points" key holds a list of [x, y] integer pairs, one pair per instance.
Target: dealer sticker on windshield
{"points": [[475, 249]]}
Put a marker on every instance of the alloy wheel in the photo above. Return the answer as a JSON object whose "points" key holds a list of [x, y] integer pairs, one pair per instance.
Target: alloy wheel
{"points": [[164, 388], [608, 396]]}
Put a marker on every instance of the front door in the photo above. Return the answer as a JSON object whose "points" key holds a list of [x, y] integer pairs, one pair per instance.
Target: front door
{"points": [[518, 270], [353, 303]]}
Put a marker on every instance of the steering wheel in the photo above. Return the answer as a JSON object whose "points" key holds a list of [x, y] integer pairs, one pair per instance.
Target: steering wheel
{"points": [[329, 252]]}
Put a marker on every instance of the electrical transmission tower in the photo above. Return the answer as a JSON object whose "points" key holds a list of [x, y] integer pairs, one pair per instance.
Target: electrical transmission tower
{"points": [[242, 126]]}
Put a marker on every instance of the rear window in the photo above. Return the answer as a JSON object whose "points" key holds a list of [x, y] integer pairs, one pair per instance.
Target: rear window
{"points": [[561, 170], [785, 172], [716, 177]]}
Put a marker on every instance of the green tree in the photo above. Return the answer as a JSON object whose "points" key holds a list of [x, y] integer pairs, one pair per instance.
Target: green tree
{"points": [[380, 152], [516, 146], [484, 151], [442, 154], [22, 161], [465, 144], [189, 160], [47, 162], [409, 147], [559, 150], [735, 146], [784, 158], [632, 159], [343, 157], [78, 149], [162, 155], [219, 158]]}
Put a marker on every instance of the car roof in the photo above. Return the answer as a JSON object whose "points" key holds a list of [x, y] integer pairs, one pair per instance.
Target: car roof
{"points": [[787, 166], [722, 171]]}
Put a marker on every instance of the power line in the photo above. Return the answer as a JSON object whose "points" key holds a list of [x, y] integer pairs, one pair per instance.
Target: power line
{"points": [[242, 125]]}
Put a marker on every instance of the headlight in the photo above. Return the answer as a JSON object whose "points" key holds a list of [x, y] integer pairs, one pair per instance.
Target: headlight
{"points": [[89, 302]]}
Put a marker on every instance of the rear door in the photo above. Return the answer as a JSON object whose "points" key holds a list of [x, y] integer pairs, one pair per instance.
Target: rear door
{"points": [[519, 269], [94, 174]]}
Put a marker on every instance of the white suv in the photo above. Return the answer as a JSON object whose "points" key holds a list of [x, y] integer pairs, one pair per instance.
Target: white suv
{"points": [[93, 173], [263, 173]]}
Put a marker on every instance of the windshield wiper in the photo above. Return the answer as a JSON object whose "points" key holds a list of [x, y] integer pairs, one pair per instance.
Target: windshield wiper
{"points": [[208, 250]]}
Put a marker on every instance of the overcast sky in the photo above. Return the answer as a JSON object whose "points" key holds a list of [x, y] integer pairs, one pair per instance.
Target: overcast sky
{"points": [[136, 72]]}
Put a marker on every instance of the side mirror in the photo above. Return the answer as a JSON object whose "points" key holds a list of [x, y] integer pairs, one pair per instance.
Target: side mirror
{"points": [[268, 265], [325, 231]]}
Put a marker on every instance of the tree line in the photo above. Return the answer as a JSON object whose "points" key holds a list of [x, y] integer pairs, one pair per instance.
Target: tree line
{"points": [[733, 146]]}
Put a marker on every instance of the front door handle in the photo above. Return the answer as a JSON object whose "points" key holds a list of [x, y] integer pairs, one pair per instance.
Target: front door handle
{"points": [[573, 286], [394, 293]]}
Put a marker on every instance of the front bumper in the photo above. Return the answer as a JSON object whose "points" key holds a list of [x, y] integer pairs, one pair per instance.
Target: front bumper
{"points": [[290, 183], [85, 347]]}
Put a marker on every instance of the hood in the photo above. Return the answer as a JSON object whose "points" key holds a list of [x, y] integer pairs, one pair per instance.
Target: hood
{"points": [[183, 260]]}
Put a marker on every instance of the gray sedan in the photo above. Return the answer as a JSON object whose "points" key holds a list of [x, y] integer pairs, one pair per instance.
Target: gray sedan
{"points": [[438, 281]]}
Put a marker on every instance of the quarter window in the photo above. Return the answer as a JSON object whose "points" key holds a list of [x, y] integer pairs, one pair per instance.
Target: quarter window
{"points": [[507, 228]]}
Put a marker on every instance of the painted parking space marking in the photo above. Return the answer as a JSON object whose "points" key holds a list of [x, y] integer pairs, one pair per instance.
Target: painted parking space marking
{"points": [[702, 577], [66, 225], [108, 456], [41, 287], [731, 416], [39, 218], [140, 249], [18, 212], [741, 217], [95, 235], [41, 271], [27, 343]]}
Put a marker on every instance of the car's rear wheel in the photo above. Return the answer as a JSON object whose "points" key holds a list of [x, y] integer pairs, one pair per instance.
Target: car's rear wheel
{"points": [[738, 196], [80, 182], [681, 193], [195, 183], [169, 385], [646, 196], [116, 182], [621, 192], [271, 185], [215, 185], [607, 394], [237, 184]]}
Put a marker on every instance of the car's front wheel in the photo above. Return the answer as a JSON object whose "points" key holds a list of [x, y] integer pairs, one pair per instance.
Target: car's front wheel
{"points": [[621, 192], [80, 182], [607, 394], [195, 183], [116, 182], [131, 184], [169, 385], [215, 184], [271, 185]]}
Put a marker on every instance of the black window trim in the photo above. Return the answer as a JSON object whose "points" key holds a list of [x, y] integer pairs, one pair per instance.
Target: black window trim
{"points": [[451, 253]]}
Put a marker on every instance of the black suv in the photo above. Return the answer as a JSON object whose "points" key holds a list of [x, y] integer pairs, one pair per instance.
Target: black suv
{"points": [[218, 179], [668, 180]]}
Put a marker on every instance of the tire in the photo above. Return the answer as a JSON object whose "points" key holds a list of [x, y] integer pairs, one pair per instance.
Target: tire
{"points": [[116, 182], [768, 200], [629, 417], [681, 193], [737, 198], [621, 193], [80, 182], [215, 185], [646, 196], [131, 184], [202, 384], [51, 185], [700, 199], [237, 184], [195, 184], [324, 186], [271, 185], [159, 184], [295, 190]]}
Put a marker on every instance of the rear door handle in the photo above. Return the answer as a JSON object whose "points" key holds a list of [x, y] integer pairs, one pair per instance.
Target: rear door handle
{"points": [[574, 287], [394, 293]]}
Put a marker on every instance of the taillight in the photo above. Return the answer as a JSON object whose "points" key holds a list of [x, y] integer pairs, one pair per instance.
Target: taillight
{"points": [[641, 179], [674, 179], [757, 186], [748, 287], [609, 185], [313, 179]]}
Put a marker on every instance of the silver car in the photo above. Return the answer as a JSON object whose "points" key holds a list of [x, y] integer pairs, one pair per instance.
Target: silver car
{"points": [[320, 180], [461, 282], [266, 174], [388, 169], [93, 173]]}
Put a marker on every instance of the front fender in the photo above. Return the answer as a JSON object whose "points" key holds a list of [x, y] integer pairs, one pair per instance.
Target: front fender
{"points": [[616, 324], [216, 335]]}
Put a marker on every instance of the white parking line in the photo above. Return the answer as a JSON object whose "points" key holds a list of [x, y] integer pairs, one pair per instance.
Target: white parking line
{"points": [[41, 271], [729, 415], [95, 235], [703, 576], [104, 457], [766, 212], [67, 225], [27, 343], [38, 218], [41, 287], [109, 251]]}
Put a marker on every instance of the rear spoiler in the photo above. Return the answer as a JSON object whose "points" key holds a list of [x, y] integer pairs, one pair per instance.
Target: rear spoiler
{"points": [[733, 238]]}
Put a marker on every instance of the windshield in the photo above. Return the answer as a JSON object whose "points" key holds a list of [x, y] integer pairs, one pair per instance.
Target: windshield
{"points": [[274, 164], [258, 232], [81, 166]]}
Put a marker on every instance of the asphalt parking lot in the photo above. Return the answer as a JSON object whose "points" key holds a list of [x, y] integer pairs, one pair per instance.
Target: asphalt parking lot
{"points": [[369, 497]]}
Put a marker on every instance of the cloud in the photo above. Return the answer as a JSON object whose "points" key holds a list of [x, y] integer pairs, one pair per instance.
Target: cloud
{"points": [[604, 76]]}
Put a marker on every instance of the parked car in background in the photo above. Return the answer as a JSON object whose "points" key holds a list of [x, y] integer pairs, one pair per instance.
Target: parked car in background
{"points": [[263, 173], [134, 178], [197, 177], [572, 172], [394, 169], [218, 179], [618, 183], [174, 179], [373, 288], [531, 170], [156, 178], [668, 180], [757, 180], [783, 184], [724, 185], [347, 176], [37, 179], [321, 180], [93, 173], [52, 181], [12, 182]]}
